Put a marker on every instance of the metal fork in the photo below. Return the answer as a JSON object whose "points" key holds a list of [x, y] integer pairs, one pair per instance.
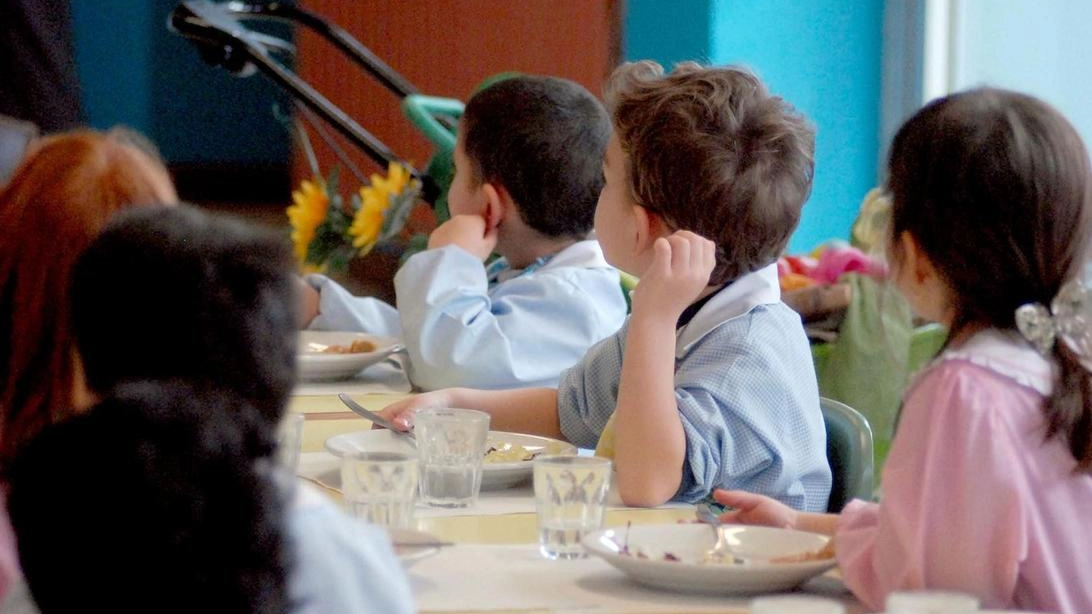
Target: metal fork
{"points": [[722, 551]]}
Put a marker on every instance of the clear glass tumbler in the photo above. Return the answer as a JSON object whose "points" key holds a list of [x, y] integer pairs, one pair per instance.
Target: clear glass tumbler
{"points": [[930, 602], [289, 439], [795, 604], [380, 487], [451, 444], [570, 495]]}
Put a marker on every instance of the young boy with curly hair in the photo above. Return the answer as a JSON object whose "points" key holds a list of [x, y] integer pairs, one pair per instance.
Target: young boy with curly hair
{"points": [[711, 381], [527, 175]]}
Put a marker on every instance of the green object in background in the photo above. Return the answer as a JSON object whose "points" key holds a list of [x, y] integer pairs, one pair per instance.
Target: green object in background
{"points": [[423, 112], [629, 283], [870, 363]]}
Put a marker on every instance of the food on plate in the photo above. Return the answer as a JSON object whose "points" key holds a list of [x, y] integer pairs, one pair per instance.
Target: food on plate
{"points": [[509, 453], [358, 346], [803, 557], [513, 452], [823, 554]]}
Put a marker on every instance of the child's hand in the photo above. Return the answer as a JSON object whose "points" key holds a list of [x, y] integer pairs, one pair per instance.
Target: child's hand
{"points": [[309, 302], [470, 232], [754, 509], [401, 413], [680, 269]]}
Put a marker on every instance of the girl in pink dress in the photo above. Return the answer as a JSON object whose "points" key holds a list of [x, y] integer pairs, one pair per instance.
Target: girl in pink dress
{"points": [[988, 486]]}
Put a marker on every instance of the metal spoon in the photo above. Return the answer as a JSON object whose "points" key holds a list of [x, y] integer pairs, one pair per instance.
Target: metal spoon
{"points": [[359, 410]]}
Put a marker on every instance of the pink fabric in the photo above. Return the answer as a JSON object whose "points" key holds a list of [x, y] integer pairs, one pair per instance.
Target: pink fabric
{"points": [[973, 498], [9, 558], [836, 261]]}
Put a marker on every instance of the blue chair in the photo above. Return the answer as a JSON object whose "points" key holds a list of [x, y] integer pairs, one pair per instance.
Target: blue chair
{"points": [[849, 452]]}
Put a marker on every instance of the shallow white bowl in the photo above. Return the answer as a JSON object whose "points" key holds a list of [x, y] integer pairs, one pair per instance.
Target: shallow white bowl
{"points": [[313, 364], [689, 542]]}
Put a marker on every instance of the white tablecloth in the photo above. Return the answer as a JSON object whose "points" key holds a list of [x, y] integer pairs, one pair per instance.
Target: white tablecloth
{"points": [[506, 578]]}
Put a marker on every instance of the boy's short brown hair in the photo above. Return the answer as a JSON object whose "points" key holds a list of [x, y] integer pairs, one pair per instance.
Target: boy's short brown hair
{"points": [[711, 151]]}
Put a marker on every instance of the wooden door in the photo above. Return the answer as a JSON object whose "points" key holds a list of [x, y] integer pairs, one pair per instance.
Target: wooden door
{"points": [[445, 48]]}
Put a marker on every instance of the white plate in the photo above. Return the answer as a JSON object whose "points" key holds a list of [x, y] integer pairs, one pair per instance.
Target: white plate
{"points": [[315, 365], [411, 546], [495, 476], [690, 542]]}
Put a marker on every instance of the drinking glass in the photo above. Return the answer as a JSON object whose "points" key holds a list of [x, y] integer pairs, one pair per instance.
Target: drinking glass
{"points": [[570, 494], [289, 436], [451, 444], [795, 604], [930, 602], [380, 487]]}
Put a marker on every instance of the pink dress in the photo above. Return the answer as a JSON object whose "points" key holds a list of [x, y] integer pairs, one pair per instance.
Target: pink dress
{"points": [[9, 558], [974, 498]]}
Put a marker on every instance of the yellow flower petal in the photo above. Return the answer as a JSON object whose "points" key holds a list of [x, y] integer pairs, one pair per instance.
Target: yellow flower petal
{"points": [[368, 221], [308, 210]]}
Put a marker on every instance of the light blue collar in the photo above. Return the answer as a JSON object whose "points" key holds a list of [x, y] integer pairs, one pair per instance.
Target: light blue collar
{"points": [[741, 296]]}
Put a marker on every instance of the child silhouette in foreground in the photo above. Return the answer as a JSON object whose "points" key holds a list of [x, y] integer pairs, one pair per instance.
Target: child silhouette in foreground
{"points": [[170, 294], [163, 477], [527, 173], [988, 486], [710, 383]]}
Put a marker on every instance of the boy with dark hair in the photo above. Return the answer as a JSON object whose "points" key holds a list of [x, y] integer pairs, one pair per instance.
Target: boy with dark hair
{"points": [[711, 381], [527, 176], [170, 294], [152, 502], [175, 293]]}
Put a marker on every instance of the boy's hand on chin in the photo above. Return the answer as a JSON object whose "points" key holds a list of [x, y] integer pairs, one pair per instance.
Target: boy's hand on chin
{"points": [[680, 269], [469, 232]]}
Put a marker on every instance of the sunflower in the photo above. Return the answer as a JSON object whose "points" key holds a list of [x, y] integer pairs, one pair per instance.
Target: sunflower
{"points": [[375, 199], [308, 210], [326, 235], [368, 220]]}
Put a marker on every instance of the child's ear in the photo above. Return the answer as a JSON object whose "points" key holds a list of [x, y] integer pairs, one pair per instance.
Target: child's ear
{"points": [[914, 259], [498, 203], [648, 227]]}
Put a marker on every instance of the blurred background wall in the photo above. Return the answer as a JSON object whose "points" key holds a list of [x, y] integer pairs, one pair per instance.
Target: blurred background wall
{"points": [[856, 69]]}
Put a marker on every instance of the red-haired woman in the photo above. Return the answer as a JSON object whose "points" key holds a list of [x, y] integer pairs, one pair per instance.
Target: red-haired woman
{"points": [[54, 205]]}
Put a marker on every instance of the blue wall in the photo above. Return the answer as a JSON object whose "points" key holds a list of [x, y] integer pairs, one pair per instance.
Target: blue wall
{"points": [[113, 55], [133, 71], [823, 56], [651, 33]]}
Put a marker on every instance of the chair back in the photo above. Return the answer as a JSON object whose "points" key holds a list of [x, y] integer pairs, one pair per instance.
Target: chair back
{"points": [[849, 452], [629, 283], [15, 137]]}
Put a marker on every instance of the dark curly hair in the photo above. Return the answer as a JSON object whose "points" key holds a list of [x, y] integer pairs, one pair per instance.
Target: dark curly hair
{"points": [[168, 292], [159, 486]]}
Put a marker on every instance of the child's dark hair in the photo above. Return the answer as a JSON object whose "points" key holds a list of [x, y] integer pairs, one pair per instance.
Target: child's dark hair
{"points": [[710, 150], [169, 292], [542, 139], [159, 487], [1011, 172]]}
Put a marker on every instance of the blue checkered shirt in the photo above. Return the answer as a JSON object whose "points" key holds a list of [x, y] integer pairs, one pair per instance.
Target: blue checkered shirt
{"points": [[746, 394]]}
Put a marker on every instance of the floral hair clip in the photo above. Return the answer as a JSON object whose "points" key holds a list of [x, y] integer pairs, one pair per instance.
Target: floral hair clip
{"points": [[1068, 318]]}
